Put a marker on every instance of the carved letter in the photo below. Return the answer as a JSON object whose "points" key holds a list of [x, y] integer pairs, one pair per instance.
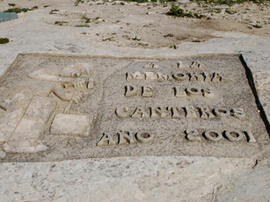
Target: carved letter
{"points": [[195, 64], [176, 112], [193, 77], [147, 91], [207, 76], [122, 112], [162, 77], [150, 76], [207, 93], [250, 137], [135, 76], [192, 135], [180, 64], [140, 113], [221, 112], [126, 137], [213, 135], [151, 65], [106, 140], [200, 77], [205, 113], [190, 112], [131, 91], [238, 113], [180, 76], [234, 136], [144, 137], [161, 112], [193, 91], [179, 92], [216, 77]]}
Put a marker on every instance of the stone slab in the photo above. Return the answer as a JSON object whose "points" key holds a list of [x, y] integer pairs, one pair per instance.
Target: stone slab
{"points": [[146, 178], [71, 124], [203, 105], [26, 136]]}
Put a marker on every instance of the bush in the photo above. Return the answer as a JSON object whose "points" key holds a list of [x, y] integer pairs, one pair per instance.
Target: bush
{"points": [[4, 40], [178, 12], [19, 10]]}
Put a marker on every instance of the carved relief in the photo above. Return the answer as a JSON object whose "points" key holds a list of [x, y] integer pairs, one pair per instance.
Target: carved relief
{"points": [[195, 64], [26, 136], [162, 77], [124, 137], [205, 112], [190, 112], [204, 104], [151, 65], [213, 135], [217, 135], [178, 112], [150, 76], [122, 112], [180, 64], [73, 82], [140, 113], [180, 92], [135, 76], [71, 125], [179, 76], [192, 135], [13, 111], [144, 91]]}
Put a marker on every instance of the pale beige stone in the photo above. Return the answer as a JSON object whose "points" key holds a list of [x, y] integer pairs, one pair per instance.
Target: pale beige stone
{"points": [[15, 108], [24, 147], [8, 123], [150, 76], [71, 124], [2, 154], [27, 134], [145, 178]]}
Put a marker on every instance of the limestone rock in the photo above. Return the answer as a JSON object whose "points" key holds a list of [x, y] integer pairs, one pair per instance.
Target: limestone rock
{"points": [[71, 124], [31, 127]]}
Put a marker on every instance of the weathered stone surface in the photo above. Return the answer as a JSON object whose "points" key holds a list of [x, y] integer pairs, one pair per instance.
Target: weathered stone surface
{"points": [[71, 124], [26, 136], [15, 108], [132, 179], [205, 108], [119, 179]]}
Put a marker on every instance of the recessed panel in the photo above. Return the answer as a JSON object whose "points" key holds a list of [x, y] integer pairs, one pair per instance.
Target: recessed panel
{"points": [[68, 107]]}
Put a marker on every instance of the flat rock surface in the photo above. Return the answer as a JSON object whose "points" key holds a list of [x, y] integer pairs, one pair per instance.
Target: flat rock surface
{"points": [[137, 179], [203, 106], [135, 30]]}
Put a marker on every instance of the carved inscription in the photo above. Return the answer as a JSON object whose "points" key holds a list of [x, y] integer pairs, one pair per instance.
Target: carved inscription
{"points": [[178, 112], [181, 92], [144, 91], [69, 107], [124, 137], [217, 135], [180, 76]]}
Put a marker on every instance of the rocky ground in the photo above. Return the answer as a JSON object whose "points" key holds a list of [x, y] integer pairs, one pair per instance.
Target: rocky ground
{"points": [[117, 28]]}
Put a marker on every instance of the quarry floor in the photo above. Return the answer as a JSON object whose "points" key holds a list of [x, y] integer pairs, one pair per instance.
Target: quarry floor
{"points": [[140, 30]]}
